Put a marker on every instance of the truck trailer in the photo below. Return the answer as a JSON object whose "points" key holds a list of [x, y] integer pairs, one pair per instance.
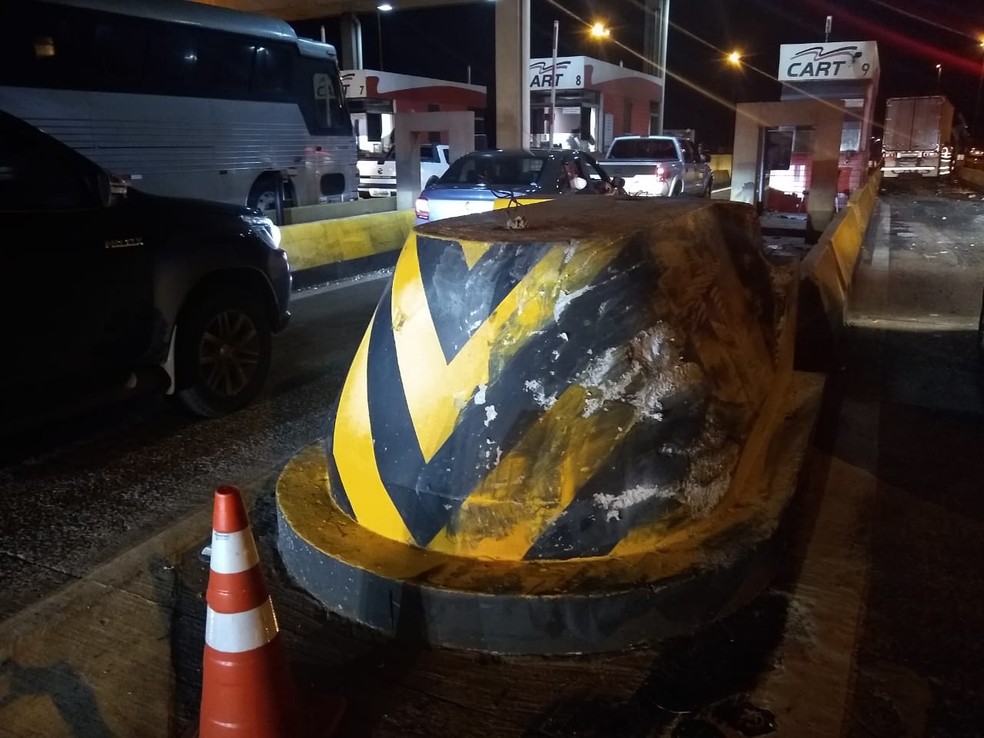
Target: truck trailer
{"points": [[918, 136]]}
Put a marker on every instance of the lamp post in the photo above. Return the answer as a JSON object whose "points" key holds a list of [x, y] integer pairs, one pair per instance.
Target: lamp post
{"points": [[977, 102], [939, 73], [553, 85], [380, 9], [734, 60]]}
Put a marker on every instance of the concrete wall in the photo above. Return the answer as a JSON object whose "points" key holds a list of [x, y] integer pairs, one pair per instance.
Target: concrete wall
{"points": [[974, 177]]}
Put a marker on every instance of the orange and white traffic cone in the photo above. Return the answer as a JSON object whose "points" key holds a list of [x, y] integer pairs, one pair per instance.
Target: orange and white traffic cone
{"points": [[247, 691]]}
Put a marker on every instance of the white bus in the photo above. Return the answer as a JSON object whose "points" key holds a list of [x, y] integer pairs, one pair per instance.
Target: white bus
{"points": [[184, 99]]}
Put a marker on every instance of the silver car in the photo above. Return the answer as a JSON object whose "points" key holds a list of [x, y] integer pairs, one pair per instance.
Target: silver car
{"points": [[474, 182]]}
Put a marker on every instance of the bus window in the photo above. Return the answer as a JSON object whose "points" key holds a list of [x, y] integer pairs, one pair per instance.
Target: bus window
{"points": [[172, 59], [42, 48], [271, 70], [118, 50], [322, 100], [224, 63]]}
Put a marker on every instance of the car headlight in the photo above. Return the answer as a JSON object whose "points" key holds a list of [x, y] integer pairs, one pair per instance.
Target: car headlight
{"points": [[264, 224]]}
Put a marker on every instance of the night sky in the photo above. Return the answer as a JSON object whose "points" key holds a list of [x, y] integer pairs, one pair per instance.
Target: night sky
{"points": [[913, 37]]}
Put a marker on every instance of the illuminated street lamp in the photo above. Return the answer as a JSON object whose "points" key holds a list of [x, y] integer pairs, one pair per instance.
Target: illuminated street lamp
{"points": [[600, 30], [734, 60], [939, 73], [977, 102]]}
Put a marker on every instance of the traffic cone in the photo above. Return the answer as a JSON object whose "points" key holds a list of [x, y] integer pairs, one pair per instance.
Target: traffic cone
{"points": [[247, 690]]}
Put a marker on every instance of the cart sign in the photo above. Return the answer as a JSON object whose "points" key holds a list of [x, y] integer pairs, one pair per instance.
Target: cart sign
{"points": [[844, 60], [568, 74]]}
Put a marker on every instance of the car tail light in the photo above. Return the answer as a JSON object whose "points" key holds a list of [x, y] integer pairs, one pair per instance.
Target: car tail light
{"points": [[660, 173], [422, 208]]}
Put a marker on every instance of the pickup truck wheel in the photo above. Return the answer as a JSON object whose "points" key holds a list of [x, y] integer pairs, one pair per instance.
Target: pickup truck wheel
{"points": [[223, 352], [677, 189]]}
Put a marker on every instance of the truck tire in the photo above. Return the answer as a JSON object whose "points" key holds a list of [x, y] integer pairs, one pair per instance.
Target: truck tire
{"points": [[677, 189], [223, 352]]}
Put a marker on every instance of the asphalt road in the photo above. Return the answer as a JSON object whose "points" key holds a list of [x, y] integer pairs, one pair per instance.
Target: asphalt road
{"points": [[83, 490]]}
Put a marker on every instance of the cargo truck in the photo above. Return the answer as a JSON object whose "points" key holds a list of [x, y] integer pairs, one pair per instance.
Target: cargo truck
{"points": [[918, 136]]}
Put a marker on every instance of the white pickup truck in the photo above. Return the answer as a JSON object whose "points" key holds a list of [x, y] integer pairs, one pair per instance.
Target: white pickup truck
{"points": [[377, 177], [659, 166]]}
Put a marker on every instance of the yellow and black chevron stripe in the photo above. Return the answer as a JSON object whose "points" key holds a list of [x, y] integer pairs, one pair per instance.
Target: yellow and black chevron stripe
{"points": [[474, 420]]}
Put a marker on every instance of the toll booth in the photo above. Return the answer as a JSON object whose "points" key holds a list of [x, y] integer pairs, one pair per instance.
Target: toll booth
{"points": [[594, 101], [843, 73], [374, 98], [808, 152]]}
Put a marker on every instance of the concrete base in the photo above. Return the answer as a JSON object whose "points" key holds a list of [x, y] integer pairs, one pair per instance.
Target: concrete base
{"points": [[693, 576]]}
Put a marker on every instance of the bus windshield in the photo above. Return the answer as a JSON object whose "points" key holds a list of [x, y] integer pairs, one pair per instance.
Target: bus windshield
{"points": [[183, 99]]}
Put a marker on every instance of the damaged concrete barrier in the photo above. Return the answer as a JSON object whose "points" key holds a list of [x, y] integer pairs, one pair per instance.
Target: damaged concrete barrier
{"points": [[574, 436]]}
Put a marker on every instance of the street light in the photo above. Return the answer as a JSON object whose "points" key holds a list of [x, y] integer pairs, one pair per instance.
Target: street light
{"points": [[380, 9], [939, 73], [977, 102], [600, 30], [734, 60]]}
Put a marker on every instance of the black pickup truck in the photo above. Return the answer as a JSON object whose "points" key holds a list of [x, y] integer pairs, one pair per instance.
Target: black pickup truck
{"points": [[107, 292]]}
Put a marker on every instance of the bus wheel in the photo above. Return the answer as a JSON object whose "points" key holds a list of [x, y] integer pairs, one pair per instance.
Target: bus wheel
{"points": [[263, 194], [223, 352]]}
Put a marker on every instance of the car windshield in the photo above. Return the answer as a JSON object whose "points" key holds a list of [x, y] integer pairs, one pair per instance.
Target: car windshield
{"points": [[509, 169]]}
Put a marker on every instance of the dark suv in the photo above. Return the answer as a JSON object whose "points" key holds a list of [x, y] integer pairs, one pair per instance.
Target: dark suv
{"points": [[107, 291]]}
